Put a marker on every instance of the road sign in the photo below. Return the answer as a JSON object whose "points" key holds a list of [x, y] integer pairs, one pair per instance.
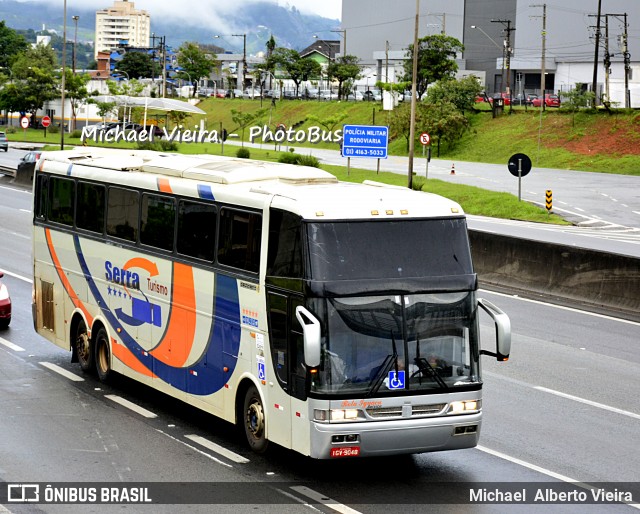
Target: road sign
{"points": [[24, 122], [520, 162], [365, 141], [549, 199], [425, 138], [45, 121]]}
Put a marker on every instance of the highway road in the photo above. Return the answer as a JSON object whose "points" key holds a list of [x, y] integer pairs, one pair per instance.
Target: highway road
{"points": [[563, 409]]}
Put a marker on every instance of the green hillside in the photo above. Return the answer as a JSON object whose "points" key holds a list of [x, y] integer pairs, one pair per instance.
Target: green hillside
{"points": [[587, 140]]}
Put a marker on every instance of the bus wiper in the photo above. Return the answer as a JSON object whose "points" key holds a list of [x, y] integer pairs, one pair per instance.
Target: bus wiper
{"points": [[423, 365], [385, 367]]}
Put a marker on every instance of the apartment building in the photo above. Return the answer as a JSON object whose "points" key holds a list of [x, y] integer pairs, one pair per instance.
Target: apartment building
{"points": [[122, 24]]}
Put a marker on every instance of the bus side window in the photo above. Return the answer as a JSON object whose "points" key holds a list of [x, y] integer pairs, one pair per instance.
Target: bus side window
{"points": [[90, 207], [196, 230], [239, 240], [42, 189], [62, 199], [158, 221], [277, 305], [122, 213]]}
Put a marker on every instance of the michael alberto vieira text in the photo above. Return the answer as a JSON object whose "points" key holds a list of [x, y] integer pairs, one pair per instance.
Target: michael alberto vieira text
{"points": [[549, 495]]}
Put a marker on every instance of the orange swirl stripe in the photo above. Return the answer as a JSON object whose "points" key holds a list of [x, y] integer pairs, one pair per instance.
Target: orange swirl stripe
{"points": [[65, 281], [178, 340]]}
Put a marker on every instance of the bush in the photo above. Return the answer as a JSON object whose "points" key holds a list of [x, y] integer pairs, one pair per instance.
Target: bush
{"points": [[243, 153], [53, 129], [417, 183], [158, 146], [289, 158], [11, 130], [76, 134], [308, 160]]}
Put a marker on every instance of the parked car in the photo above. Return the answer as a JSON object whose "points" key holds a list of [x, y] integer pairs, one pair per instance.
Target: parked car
{"points": [[371, 96], [356, 96], [530, 99], [5, 305], [154, 130], [27, 165], [221, 93], [4, 142], [250, 94], [326, 94], [506, 99], [550, 100]]}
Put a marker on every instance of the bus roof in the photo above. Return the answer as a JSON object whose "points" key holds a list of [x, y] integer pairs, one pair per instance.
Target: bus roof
{"points": [[310, 192]]}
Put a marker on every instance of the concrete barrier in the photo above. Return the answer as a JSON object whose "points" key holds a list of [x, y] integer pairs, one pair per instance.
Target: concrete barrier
{"points": [[600, 280]]}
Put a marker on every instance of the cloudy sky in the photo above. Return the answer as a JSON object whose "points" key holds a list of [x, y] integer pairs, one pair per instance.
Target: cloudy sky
{"points": [[203, 9]]}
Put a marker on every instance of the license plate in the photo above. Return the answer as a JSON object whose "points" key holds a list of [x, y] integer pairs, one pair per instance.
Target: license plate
{"points": [[345, 451]]}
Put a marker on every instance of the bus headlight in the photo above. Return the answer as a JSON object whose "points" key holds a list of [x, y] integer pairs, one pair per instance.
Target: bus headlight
{"points": [[464, 407], [336, 415]]}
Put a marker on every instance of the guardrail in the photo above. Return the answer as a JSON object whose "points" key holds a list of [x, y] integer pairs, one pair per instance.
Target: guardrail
{"points": [[593, 279], [7, 170]]}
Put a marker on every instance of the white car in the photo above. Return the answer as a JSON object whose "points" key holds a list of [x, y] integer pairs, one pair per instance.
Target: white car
{"points": [[325, 94], [251, 94]]}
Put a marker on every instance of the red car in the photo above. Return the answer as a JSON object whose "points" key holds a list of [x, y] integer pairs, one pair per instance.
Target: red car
{"points": [[549, 100], [5, 305]]}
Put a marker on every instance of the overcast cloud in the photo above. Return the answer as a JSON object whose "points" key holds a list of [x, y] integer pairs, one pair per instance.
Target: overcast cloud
{"points": [[209, 11]]}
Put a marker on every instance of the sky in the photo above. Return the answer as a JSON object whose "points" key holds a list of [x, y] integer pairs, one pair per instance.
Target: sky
{"points": [[203, 9]]}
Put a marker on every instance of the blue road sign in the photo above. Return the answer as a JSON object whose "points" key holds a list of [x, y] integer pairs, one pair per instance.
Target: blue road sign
{"points": [[365, 141]]}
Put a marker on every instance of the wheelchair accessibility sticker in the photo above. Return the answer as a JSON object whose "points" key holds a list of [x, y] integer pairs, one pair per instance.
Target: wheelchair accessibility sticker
{"points": [[262, 372], [396, 380]]}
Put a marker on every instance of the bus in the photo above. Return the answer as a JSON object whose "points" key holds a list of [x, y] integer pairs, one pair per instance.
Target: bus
{"points": [[335, 319]]}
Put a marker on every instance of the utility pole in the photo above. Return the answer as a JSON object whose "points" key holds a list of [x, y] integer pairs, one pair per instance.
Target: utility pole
{"points": [[507, 53], [414, 94], [627, 63], [386, 65], [606, 60], [543, 56], [594, 86]]}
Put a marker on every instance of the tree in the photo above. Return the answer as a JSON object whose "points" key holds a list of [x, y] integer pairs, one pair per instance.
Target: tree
{"points": [[243, 119], [345, 70], [297, 68], [137, 65], [195, 62], [11, 44], [461, 92], [436, 60], [577, 98], [34, 74], [443, 121], [76, 90]]}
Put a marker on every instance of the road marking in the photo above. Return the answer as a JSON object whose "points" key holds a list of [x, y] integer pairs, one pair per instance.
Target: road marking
{"points": [[62, 371], [25, 210], [10, 345], [196, 449], [218, 449], [19, 277], [635, 212], [324, 500], [544, 471], [563, 395], [588, 402], [131, 406], [562, 307]]}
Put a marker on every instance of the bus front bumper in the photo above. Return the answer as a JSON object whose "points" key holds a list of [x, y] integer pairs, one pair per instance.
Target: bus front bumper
{"points": [[393, 437]]}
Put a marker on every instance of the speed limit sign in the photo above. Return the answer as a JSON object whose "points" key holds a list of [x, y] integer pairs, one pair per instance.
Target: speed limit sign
{"points": [[425, 139]]}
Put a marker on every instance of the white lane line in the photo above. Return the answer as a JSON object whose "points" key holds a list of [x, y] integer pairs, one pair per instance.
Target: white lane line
{"points": [[131, 406], [544, 471], [11, 346], [196, 449], [220, 450], [324, 500], [588, 402], [561, 307], [25, 210], [635, 212], [563, 395], [19, 277], [62, 371]]}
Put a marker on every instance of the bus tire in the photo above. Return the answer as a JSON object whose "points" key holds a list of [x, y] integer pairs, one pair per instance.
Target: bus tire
{"points": [[83, 347], [103, 355], [254, 421]]}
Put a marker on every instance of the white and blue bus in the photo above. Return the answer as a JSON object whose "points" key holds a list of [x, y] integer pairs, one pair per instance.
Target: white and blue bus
{"points": [[332, 318]]}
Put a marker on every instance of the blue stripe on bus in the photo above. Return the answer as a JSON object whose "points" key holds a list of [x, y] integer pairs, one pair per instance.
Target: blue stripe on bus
{"points": [[206, 376], [205, 192], [69, 169]]}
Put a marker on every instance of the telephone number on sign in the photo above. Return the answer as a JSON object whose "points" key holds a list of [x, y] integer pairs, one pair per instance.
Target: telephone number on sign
{"points": [[364, 152]]}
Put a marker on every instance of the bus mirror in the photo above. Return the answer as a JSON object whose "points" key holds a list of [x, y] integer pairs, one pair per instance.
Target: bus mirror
{"points": [[503, 330], [311, 331]]}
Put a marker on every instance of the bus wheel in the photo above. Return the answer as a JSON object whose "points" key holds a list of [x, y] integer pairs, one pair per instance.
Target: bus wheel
{"points": [[254, 421], [83, 347], [103, 355]]}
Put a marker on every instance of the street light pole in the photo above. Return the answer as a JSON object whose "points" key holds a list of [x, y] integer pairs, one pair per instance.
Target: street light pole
{"points": [[75, 42], [244, 56], [414, 80], [63, 83]]}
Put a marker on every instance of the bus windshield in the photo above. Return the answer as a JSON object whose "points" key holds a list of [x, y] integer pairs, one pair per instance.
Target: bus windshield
{"points": [[388, 249], [419, 343]]}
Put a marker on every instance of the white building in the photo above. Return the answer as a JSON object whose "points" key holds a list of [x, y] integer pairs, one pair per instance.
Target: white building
{"points": [[122, 24]]}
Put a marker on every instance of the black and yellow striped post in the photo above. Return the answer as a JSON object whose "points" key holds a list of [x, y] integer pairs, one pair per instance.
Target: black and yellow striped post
{"points": [[549, 200]]}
